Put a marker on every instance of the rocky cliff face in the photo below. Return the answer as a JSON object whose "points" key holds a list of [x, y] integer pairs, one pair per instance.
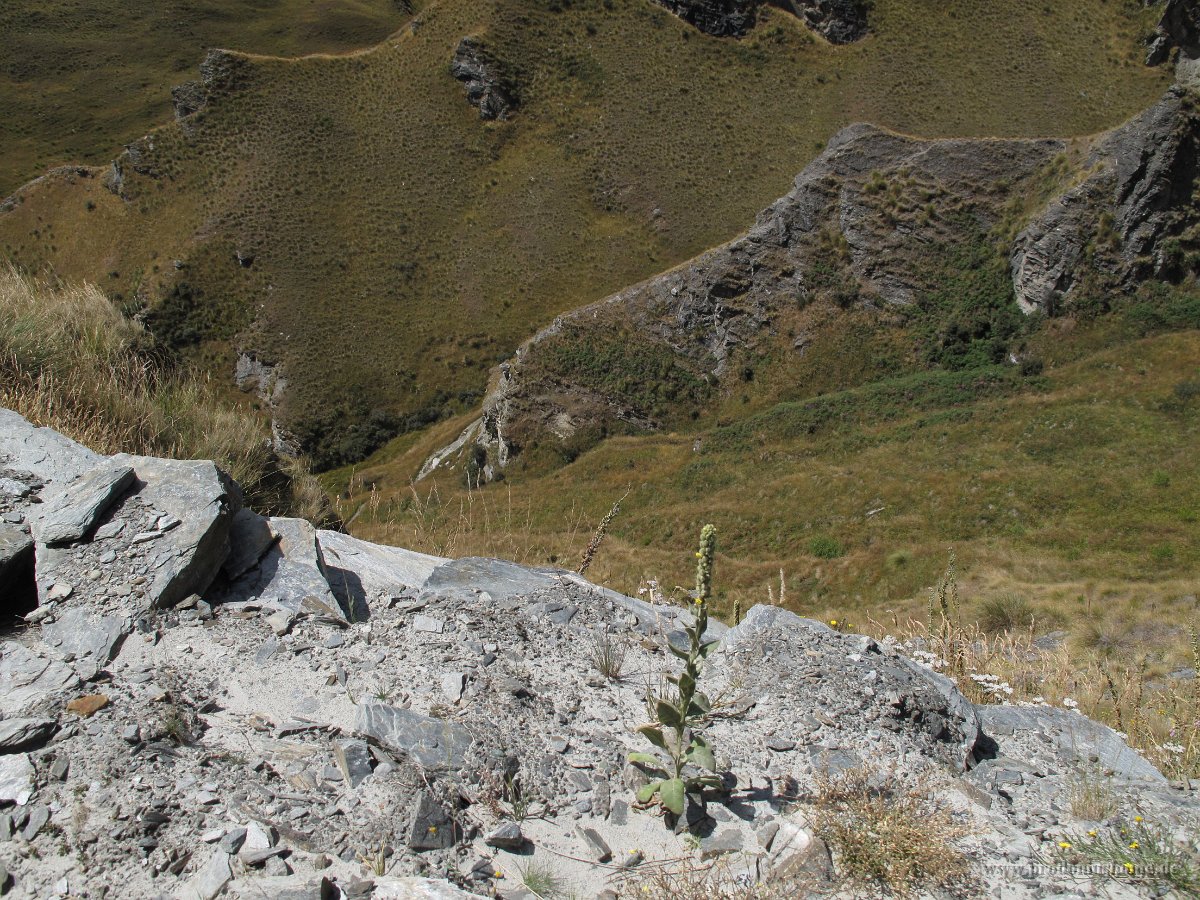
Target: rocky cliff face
{"points": [[488, 87], [876, 221], [839, 21], [206, 702]]}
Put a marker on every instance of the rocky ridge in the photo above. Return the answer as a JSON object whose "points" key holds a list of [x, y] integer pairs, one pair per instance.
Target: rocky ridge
{"points": [[204, 702], [873, 222], [838, 21]]}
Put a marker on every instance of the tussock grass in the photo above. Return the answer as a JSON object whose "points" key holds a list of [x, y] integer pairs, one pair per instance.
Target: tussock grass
{"points": [[402, 247], [69, 360], [886, 836]]}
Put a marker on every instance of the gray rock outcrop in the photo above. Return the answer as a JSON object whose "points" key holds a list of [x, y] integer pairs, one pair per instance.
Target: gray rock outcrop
{"points": [[238, 741], [863, 226], [839, 21], [489, 87]]}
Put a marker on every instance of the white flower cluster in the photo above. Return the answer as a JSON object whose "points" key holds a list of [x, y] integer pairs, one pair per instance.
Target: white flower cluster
{"points": [[1033, 701], [991, 684], [650, 586], [1177, 749], [929, 660], [1070, 704]]}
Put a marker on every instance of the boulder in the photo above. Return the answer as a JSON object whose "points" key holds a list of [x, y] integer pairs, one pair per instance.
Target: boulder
{"points": [[291, 572], [203, 498], [250, 537], [87, 642], [25, 734], [434, 744], [42, 452], [69, 511], [359, 571]]}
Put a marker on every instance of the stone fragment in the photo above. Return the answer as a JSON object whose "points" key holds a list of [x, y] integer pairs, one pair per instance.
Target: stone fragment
{"points": [[69, 511], [25, 734], [597, 847], [353, 759], [16, 778], [28, 678], [61, 767], [281, 621], [254, 858], [109, 530], [433, 743], [86, 640], [428, 624], [209, 882], [290, 572], [452, 686], [259, 837], [507, 836], [429, 828], [780, 745], [87, 705], [38, 816], [726, 840], [359, 570], [250, 536]]}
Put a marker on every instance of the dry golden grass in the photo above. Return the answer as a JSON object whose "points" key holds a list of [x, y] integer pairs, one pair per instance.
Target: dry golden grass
{"points": [[69, 360], [887, 836]]}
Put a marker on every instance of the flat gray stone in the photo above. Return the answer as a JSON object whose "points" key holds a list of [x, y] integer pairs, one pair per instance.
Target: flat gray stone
{"points": [[432, 743], [16, 778], [1077, 738], [353, 759], [42, 452], [86, 640], [250, 536], [25, 734], [597, 846], [29, 679], [69, 511], [289, 573], [209, 882], [507, 836], [429, 828], [39, 815], [452, 686]]}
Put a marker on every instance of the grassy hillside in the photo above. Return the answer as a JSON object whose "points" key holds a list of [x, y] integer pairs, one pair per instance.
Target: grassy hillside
{"points": [[402, 247], [78, 80], [1073, 488]]}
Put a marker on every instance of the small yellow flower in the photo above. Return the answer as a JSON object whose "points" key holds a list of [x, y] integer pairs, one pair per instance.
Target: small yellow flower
{"points": [[433, 829], [1134, 845], [697, 554], [1092, 833], [499, 874], [1129, 867], [1064, 845], [1137, 819], [833, 622]]}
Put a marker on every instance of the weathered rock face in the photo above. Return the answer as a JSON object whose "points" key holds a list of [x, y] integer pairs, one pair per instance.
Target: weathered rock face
{"points": [[233, 743], [839, 21], [1178, 27], [489, 87], [1128, 217], [722, 18], [866, 224]]}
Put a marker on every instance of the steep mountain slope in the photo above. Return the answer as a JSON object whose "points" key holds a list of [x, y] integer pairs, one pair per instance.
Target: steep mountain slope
{"points": [[920, 235], [79, 80], [352, 227]]}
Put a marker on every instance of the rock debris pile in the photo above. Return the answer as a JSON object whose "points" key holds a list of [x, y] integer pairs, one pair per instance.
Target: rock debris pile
{"points": [[198, 701]]}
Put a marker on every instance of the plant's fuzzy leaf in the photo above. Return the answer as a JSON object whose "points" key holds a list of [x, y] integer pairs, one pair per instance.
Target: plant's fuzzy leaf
{"points": [[647, 791], [701, 754], [653, 734], [648, 759], [682, 654], [709, 781], [667, 714], [671, 794]]}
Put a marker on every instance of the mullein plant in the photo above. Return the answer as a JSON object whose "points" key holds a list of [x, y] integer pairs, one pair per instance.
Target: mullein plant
{"points": [[678, 714]]}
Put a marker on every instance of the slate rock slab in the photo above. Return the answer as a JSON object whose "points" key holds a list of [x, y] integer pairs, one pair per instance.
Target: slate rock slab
{"points": [[1076, 739], [25, 734], [430, 828], [42, 452], [432, 743], [16, 778], [70, 511], [359, 571], [87, 640], [289, 573], [29, 680]]}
